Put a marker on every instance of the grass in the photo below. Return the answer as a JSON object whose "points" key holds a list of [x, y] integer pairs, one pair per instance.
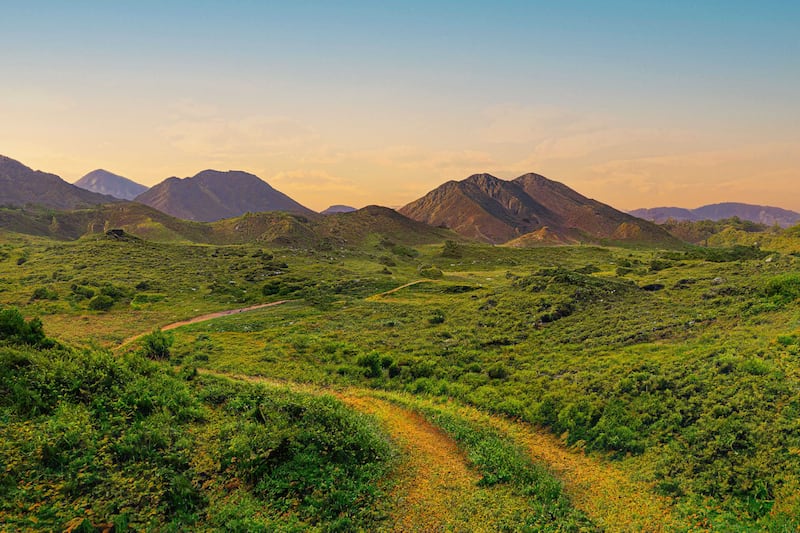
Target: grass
{"points": [[680, 367], [92, 441]]}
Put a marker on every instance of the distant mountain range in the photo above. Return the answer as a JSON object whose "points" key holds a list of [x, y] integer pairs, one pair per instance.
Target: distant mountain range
{"points": [[214, 195], [21, 185], [105, 182], [754, 213], [337, 209], [527, 211], [530, 209]]}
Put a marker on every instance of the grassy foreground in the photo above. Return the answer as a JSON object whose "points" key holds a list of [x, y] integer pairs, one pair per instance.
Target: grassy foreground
{"points": [[679, 367], [89, 440]]}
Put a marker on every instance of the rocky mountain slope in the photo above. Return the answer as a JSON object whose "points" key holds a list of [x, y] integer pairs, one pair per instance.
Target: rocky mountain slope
{"points": [[497, 211], [21, 185], [215, 195]]}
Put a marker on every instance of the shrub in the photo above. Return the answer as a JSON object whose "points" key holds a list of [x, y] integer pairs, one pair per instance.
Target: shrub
{"points": [[429, 271], [81, 291], [784, 288], [44, 293], [498, 371], [156, 345], [437, 317], [452, 250], [15, 330], [101, 302], [372, 364]]}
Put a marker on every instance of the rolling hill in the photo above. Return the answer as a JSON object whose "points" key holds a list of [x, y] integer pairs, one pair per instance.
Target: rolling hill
{"points": [[214, 195], [754, 213], [497, 211], [105, 182], [21, 185], [269, 227]]}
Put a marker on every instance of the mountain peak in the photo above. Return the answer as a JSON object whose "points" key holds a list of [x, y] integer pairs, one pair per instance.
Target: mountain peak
{"points": [[488, 208], [105, 182], [214, 194], [20, 185]]}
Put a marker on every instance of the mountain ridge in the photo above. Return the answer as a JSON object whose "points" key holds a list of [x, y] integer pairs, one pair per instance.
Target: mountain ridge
{"points": [[215, 195], [762, 214], [497, 211], [104, 182], [20, 185]]}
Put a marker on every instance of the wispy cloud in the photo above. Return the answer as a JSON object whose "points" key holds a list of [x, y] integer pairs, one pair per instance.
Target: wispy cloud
{"points": [[520, 124], [201, 129]]}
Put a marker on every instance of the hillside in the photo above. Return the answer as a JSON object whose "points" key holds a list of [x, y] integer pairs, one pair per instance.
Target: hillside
{"points": [[213, 195], [105, 182], [271, 227], [492, 210], [761, 214], [21, 185]]}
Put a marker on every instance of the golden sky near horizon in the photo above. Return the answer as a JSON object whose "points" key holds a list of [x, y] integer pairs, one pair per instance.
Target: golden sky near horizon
{"points": [[635, 105]]}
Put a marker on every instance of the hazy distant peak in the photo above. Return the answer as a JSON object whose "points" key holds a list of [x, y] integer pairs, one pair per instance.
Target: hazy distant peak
{"points": [[104, 182], [338, 209], [763, 214]]}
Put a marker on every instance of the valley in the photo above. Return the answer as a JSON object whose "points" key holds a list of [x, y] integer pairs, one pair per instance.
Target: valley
{"points": [[576, 388]]}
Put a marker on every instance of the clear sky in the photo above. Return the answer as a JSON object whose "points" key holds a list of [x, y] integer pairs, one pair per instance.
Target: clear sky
{"points": [[635, 103]]}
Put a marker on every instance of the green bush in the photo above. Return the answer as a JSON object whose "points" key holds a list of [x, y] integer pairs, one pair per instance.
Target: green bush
{"points": [[101, 302], [156, 345], [437, 317], [44, 293], [372, 364], [15, 330], [784, 288], [429, 271], [452, 250]]}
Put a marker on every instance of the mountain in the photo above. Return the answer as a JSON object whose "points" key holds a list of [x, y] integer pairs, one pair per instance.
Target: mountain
{"points": [[337, 209], [105, 182], [497, 211], [214, 195], [21, 185], [761, 214]]}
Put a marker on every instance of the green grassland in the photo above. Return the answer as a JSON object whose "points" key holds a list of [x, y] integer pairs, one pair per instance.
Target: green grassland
{"points": [[681, 367]]}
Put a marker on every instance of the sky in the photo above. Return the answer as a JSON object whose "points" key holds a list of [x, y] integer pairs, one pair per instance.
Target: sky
{"points": [[633, 103]]}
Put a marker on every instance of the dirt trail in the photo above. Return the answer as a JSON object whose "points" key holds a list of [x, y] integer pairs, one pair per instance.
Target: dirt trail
{"points": [[606, 494], [203, 318], [434, 480], [392, 291], [433, 477]]}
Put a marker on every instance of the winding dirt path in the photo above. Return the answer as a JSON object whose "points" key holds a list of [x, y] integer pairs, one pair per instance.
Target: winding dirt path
{"points": [[600, 489], [433, 477], [434, 482], [203, 318], [392, 291]]}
